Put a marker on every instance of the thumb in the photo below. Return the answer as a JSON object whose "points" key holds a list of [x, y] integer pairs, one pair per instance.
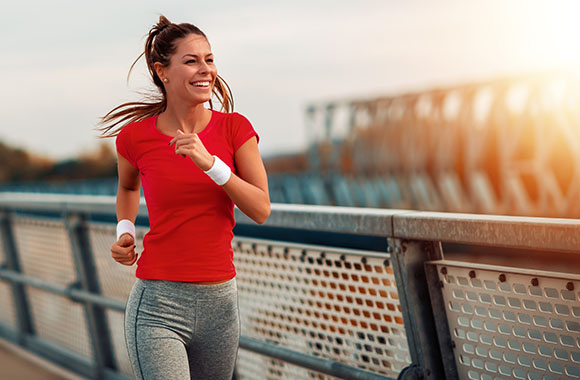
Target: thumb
{"points": [[126, 240]]}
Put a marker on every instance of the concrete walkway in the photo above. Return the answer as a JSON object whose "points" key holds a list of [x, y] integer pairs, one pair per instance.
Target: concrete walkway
{"points": [[18, 364]]}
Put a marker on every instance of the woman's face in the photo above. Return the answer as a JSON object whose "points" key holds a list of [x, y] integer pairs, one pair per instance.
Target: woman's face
{"points": [[191, 72]]}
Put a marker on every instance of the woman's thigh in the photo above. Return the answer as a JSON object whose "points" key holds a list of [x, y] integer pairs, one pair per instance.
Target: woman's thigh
{"points": [[214, 347], [155, 335]]}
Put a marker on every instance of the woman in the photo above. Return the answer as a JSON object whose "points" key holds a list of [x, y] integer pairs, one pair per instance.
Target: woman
{"points": [[194, 163]]}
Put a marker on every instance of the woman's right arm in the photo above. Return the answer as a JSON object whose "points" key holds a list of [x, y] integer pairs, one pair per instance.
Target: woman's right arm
{"points": [[128, 195]]}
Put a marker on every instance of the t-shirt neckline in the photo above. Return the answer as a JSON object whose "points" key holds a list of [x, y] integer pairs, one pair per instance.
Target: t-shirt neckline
{"points": [[200, 133]]}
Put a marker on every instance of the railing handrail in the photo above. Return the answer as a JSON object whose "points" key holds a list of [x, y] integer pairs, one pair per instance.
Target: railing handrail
{"points": [[475, 229]]}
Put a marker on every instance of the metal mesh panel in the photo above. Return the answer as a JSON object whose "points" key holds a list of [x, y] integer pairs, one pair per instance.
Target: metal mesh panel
{"points": [[59, 320], [512, 323], [117, 330], [251, 366], [45, 253], [338, 304], [116, 280], [44, 249], [7, 312]]}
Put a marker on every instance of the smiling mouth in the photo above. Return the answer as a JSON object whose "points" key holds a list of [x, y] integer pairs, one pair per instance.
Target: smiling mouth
{"points": [[201, 84]]}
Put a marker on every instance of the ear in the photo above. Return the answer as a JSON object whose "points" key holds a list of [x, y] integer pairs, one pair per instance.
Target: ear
{"points": [[159, 69]]}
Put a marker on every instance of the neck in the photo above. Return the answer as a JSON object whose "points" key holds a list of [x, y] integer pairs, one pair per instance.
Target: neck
{"points": [[185, 117]]}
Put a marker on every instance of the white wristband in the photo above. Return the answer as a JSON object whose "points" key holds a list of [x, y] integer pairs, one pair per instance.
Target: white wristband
{"points": [[125, 226], [219, 172]]}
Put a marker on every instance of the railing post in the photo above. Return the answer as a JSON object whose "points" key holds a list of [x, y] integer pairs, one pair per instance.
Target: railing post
{"points": [[87, 280], [408, 259], [21, 305]]}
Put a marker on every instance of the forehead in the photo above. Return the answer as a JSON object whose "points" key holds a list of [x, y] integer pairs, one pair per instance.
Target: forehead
{"points": [[192, 44]]}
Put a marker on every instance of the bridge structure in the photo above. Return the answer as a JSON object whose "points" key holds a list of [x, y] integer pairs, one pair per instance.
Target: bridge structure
{"points": [[507, 146], [325, 292]]}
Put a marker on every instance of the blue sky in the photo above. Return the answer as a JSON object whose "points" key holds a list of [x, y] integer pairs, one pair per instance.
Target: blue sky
{"points": [[64, 63]]}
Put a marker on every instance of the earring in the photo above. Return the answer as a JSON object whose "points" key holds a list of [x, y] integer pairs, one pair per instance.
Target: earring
{"points": [[165, 80]]}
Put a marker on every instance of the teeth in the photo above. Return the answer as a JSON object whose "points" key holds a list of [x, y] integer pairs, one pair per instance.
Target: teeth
{"points": [[201, 84]]}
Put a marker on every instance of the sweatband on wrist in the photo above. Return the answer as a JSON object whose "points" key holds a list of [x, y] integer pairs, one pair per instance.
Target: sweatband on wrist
{"points": [[125, 226], [219, 172]]}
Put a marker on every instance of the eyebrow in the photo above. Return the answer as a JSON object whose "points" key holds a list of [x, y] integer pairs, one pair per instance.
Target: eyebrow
{"points": [[195, 55]]}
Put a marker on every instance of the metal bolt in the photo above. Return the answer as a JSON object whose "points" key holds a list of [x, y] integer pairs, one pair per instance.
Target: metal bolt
{"points": [[441, 284], [502, 278], [444, 270], [570, 286], [342, 258], [471, 274], [535, 281], [386, 263], [389, 249], [363, 260]]}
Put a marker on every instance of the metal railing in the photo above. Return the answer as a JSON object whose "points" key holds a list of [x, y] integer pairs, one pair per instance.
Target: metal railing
{"points": [[325, 292]]}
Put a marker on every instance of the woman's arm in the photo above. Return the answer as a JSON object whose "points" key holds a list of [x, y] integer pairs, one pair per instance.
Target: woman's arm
{"points": [[249, 191], [128, 194]]}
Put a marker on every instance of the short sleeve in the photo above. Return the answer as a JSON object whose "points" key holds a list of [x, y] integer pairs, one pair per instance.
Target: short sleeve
{"points": [[123, 143], [242, 131]]}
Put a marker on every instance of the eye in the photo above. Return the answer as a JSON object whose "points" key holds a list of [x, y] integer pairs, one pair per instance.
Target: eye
{"points": [[210, 60], [190, 61]]}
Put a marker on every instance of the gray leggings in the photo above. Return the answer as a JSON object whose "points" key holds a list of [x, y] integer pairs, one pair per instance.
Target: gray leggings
{"points": [[181, 330]]}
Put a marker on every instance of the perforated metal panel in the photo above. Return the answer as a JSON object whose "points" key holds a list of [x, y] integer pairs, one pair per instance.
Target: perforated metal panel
{"points": [[58, 320], [7, 312], [116, 322], [45, 253], [258, 367], [116, 281], [44, 249], [512, 323], [334, 303]]}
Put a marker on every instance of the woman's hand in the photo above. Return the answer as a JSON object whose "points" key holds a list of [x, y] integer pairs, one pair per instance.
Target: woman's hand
{"points": [[123, 250], [189, 144]]}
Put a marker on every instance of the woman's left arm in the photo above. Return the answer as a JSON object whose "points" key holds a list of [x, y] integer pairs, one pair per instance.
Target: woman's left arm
{"points": [[249, 190]]}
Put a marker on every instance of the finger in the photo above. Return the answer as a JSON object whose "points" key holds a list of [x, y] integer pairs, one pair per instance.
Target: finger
{"points": [[135, 259], [125, 259], [126, 240], [179, 131], [176, 138], [117, 251]]}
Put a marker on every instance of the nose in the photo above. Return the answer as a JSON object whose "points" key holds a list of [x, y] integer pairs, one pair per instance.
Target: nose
{"points": [[204, 67]]}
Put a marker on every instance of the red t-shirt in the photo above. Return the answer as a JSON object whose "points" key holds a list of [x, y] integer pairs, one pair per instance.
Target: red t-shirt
{"points": [[191, 218]]}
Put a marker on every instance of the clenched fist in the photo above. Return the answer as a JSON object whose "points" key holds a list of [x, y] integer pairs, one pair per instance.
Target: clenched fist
{"points": [[189, 144], [123, 250]]}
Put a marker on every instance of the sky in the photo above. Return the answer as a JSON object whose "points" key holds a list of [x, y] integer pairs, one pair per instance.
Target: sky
{"points": [[65, 63]]}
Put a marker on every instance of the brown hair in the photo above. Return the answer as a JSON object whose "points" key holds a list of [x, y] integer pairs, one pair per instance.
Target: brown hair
{"points": [[159, 47]]}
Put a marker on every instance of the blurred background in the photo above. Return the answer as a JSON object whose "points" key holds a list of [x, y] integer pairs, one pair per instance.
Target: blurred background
{"points": [[451, 105]]}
